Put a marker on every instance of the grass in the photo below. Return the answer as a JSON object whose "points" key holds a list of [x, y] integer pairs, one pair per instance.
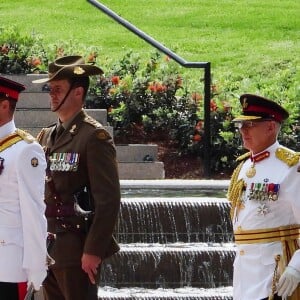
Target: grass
{"points": [[239, 37]]}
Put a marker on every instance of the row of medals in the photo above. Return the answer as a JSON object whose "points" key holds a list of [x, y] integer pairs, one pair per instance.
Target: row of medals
{"points": [[262, 192], [64, 161]]}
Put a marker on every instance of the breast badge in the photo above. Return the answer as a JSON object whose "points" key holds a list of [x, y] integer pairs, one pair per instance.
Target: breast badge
{"points": [[34, 162]]}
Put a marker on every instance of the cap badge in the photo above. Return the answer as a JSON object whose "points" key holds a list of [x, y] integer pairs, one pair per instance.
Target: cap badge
{"points": [[245, 104], [78, 71]]}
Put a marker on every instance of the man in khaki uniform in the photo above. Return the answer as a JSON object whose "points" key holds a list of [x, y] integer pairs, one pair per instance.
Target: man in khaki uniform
{"points": [[82, 191]]}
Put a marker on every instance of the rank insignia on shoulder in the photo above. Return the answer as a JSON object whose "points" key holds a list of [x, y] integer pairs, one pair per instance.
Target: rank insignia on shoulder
{"points": [[290, 157], [34, 162], [103, 135], [27, 137]]}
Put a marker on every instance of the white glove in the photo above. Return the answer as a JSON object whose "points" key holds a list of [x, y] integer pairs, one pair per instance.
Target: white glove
{"points": [[36, 279], [288, 282]]}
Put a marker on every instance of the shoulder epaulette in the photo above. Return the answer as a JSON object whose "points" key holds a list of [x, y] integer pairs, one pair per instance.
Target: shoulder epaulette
{"points": [[41, 134], [27, 137], [103, 134], [243, 156], [92, 122], [288, 156]]}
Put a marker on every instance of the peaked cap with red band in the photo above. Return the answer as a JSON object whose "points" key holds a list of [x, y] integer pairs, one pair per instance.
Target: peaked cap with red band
{"points": [[256, 107], [10, 89]]}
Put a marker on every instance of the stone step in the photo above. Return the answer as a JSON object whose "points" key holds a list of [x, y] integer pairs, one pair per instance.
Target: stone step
{"points": [[138, 293], [42, 118], [137, 152], [35, 130], [183, 293], [141, 170], [33, 113], [169, 266], [34, 101]]}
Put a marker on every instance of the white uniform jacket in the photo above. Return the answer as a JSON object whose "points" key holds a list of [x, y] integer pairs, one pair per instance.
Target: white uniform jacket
{"points": [[23, 228], [254, 263]]}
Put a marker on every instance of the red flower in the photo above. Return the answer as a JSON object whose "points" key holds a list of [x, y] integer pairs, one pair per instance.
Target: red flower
{"points": [[213, 105], [157, 87], [115, 80], [4, 49], [36, 61], [197, 138], [199, 125], [196, 97]]}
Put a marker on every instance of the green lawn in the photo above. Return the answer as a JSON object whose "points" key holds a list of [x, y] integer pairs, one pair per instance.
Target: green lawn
{"points": [[231, 34]]}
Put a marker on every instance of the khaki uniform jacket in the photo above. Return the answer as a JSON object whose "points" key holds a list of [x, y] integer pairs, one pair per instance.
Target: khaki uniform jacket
{"points": [[83, 156]]}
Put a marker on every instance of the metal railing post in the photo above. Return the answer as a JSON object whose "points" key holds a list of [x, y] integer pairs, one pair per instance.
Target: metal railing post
{"points": [[182, 62]]}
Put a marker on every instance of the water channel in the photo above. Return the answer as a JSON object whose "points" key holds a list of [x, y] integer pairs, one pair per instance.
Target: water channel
{"points": [[176, 243]]}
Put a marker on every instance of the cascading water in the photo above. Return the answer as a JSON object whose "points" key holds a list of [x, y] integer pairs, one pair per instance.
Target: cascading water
{"points": [[175, 244]]}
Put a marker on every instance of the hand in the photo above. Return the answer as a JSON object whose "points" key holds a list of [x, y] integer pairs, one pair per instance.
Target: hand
{"points": [[36, 279], [90, 264], [288, 282]]}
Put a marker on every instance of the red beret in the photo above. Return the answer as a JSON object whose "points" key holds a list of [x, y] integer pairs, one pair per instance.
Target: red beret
{"points": [[257, 107], [10, 89]]}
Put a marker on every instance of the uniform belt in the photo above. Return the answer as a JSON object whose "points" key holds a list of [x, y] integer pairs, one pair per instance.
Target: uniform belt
{"points": [[68, 224], [59, 210], [282, 233]]}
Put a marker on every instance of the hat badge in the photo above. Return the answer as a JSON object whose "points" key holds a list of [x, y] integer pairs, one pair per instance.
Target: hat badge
{"points": [[78, 71], [245, 103]]}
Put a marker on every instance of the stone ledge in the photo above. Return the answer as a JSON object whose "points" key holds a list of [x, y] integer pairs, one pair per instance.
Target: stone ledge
{"points": [[137, 152], [139, 170], [43, 118]]}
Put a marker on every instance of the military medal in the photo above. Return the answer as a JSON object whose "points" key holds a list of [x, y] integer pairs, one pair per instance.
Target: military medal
{"points": [[263, 210], [251, 172]]}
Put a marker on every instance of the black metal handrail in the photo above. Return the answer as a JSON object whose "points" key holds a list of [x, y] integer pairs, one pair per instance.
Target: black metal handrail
{"points": [[182, 62]]}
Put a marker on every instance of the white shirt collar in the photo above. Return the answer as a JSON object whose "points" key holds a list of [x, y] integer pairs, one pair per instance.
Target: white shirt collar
{"points": [[7, 129]]}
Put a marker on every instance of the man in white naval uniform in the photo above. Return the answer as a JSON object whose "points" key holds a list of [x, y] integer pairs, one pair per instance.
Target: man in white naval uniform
{"points": [[23, 229], [265, 206]]}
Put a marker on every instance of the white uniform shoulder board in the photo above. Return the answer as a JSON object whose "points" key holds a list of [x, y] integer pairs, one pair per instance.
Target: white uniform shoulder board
{"points": [[288, 156], [27, 137]]}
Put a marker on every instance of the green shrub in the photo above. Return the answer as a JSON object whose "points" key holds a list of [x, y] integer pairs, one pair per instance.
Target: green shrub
{"points": [[148, 99]]}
